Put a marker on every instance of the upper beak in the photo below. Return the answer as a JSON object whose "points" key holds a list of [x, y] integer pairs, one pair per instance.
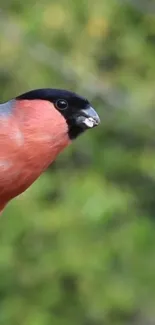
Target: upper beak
{"points": [[88, 118]]}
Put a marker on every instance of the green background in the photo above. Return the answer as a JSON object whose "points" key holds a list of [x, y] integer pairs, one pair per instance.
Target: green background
{"points": [[79, 246]]}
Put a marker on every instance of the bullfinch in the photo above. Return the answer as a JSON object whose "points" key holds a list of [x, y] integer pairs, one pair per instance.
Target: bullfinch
{"points": [[34, 128]]}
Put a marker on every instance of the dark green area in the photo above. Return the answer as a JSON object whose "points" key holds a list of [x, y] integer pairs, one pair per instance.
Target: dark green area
{"points": [[78, 248]]}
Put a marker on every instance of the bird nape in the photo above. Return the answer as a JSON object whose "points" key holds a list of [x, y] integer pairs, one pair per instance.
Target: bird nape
{"points": [[34, 128]]}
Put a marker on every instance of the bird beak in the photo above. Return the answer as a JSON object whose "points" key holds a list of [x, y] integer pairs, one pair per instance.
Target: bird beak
{"points": [[87, 118]]}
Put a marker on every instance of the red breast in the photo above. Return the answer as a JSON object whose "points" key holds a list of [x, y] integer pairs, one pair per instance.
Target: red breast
{"points": [[30, 139]]}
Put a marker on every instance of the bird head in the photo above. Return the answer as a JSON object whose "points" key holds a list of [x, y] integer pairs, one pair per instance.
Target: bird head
{"points": [[77, 112]]}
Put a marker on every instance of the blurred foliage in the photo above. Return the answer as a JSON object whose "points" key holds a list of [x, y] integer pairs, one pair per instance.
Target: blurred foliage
{"points": [[79, 246]]}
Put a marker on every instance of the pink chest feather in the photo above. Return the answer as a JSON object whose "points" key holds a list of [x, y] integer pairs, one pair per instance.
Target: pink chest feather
{"points": [[30, 140]]}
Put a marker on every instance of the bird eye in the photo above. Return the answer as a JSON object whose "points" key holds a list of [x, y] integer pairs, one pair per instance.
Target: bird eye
{"points": [[61, 104]]}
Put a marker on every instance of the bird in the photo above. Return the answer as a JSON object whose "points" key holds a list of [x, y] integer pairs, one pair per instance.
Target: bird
{"points": [[34, 128]]}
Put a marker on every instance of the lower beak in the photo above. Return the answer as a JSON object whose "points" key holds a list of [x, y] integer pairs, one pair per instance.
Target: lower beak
{"points": [[88, 118]]}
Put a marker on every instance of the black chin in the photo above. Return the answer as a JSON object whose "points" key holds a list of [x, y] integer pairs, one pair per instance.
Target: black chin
{"points": [[75, 131]]}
